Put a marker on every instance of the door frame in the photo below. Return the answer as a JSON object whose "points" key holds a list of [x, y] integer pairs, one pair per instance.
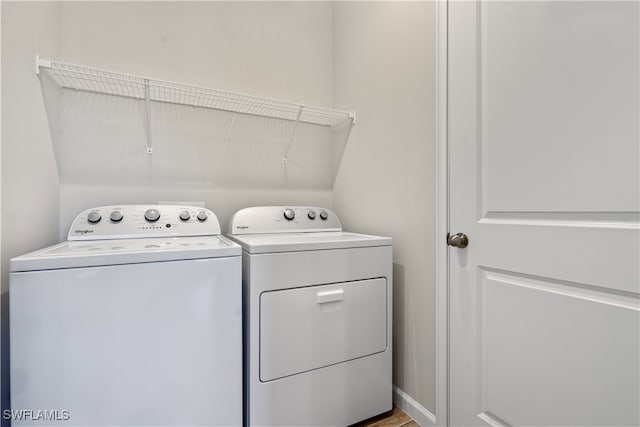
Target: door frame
{"points": [[441, 211], [442, 216]]}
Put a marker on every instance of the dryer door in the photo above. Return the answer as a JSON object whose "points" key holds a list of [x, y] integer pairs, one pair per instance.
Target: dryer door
{"points": [[308, 328]]}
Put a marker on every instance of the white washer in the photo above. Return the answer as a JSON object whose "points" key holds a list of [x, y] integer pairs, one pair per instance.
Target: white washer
{"points": [[317, 318], [136, 320]]}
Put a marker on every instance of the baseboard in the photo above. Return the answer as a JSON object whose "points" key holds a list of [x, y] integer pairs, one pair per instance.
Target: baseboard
{"points": [[419, 413]]}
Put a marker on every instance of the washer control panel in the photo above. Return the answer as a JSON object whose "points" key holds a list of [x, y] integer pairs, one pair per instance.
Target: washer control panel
{"points": [[138, 221], [283, 219]]}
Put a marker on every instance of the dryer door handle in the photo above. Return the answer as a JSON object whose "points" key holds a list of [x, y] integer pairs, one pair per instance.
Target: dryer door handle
{"points": [[330, 296]]}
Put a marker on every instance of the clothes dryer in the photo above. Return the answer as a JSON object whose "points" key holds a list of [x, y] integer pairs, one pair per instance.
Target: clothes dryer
{"points": [[135, 320], [317, 318]]}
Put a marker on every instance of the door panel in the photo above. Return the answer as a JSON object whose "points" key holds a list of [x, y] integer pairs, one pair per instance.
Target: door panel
{"points": [[558, 96], [313, 327], [544, 179], [541, 338]]}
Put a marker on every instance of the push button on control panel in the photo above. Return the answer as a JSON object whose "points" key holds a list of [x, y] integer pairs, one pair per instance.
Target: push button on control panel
{"points": [[116, 216], [202, 216], [289, 214], [94, 217], [152, 215]]}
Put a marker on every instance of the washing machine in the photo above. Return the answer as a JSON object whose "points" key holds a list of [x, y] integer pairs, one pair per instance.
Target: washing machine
{"points": [[317, 318], [135, 320]]}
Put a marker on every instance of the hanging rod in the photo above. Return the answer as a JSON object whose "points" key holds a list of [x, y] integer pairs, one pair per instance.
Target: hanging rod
{"points": [[88, 79]]}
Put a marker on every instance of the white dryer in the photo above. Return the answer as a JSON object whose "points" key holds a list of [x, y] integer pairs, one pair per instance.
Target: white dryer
{"points": [[135, 320], [317, 318]]}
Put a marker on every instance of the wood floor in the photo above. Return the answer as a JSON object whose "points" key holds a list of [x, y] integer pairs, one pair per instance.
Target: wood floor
{"points": [[393, 418]]}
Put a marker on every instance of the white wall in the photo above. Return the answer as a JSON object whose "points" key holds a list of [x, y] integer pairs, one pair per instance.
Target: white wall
{"points": [[384, 54], [29, 176], [271, 49]]}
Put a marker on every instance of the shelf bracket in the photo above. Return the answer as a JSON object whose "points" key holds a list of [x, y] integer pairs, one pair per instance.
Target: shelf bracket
{"points": [[293, 132], [41, 62], [147, 116]]}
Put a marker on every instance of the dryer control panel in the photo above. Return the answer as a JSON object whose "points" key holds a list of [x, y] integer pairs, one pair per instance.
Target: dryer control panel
{"points": [[283, 219], [141, 221]]}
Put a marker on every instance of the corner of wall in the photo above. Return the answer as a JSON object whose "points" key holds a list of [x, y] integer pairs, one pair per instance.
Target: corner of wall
{"points": [[383, 62], [29, 174], [419, 413]]}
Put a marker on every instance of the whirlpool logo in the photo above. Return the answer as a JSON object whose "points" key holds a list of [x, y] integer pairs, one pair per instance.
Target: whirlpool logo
{"points": [[85, 231]]}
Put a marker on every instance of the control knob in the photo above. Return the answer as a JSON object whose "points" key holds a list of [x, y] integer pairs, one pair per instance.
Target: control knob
{"points": [[324, 215], [152, 215], [116, 216], [185, 215], [94, 217], [311, 215], [202, 216], [289, 214]]}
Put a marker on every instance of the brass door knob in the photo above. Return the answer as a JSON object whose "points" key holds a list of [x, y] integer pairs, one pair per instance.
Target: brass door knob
{"points": [[459, 240]]}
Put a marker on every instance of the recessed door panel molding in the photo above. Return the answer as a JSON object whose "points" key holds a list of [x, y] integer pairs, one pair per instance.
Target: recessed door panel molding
{"points": [[600, 257], [601, 295], [624, 220], [538, 336], [556, 82]]}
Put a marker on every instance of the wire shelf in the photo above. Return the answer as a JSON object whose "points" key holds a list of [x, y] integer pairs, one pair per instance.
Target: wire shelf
{"points": [[196, 136], [82, 78]]}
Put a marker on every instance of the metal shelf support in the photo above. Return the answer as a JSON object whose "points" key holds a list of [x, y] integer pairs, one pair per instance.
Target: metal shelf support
{"points": [[293, 133], [147, 116]]}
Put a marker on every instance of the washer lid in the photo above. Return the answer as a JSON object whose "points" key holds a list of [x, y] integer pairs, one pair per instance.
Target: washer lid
{"points": [[95, 253], [293, 242]]}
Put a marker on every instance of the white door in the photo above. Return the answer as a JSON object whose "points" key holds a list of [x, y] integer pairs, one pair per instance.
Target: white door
{"points": [[544, 179]]}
